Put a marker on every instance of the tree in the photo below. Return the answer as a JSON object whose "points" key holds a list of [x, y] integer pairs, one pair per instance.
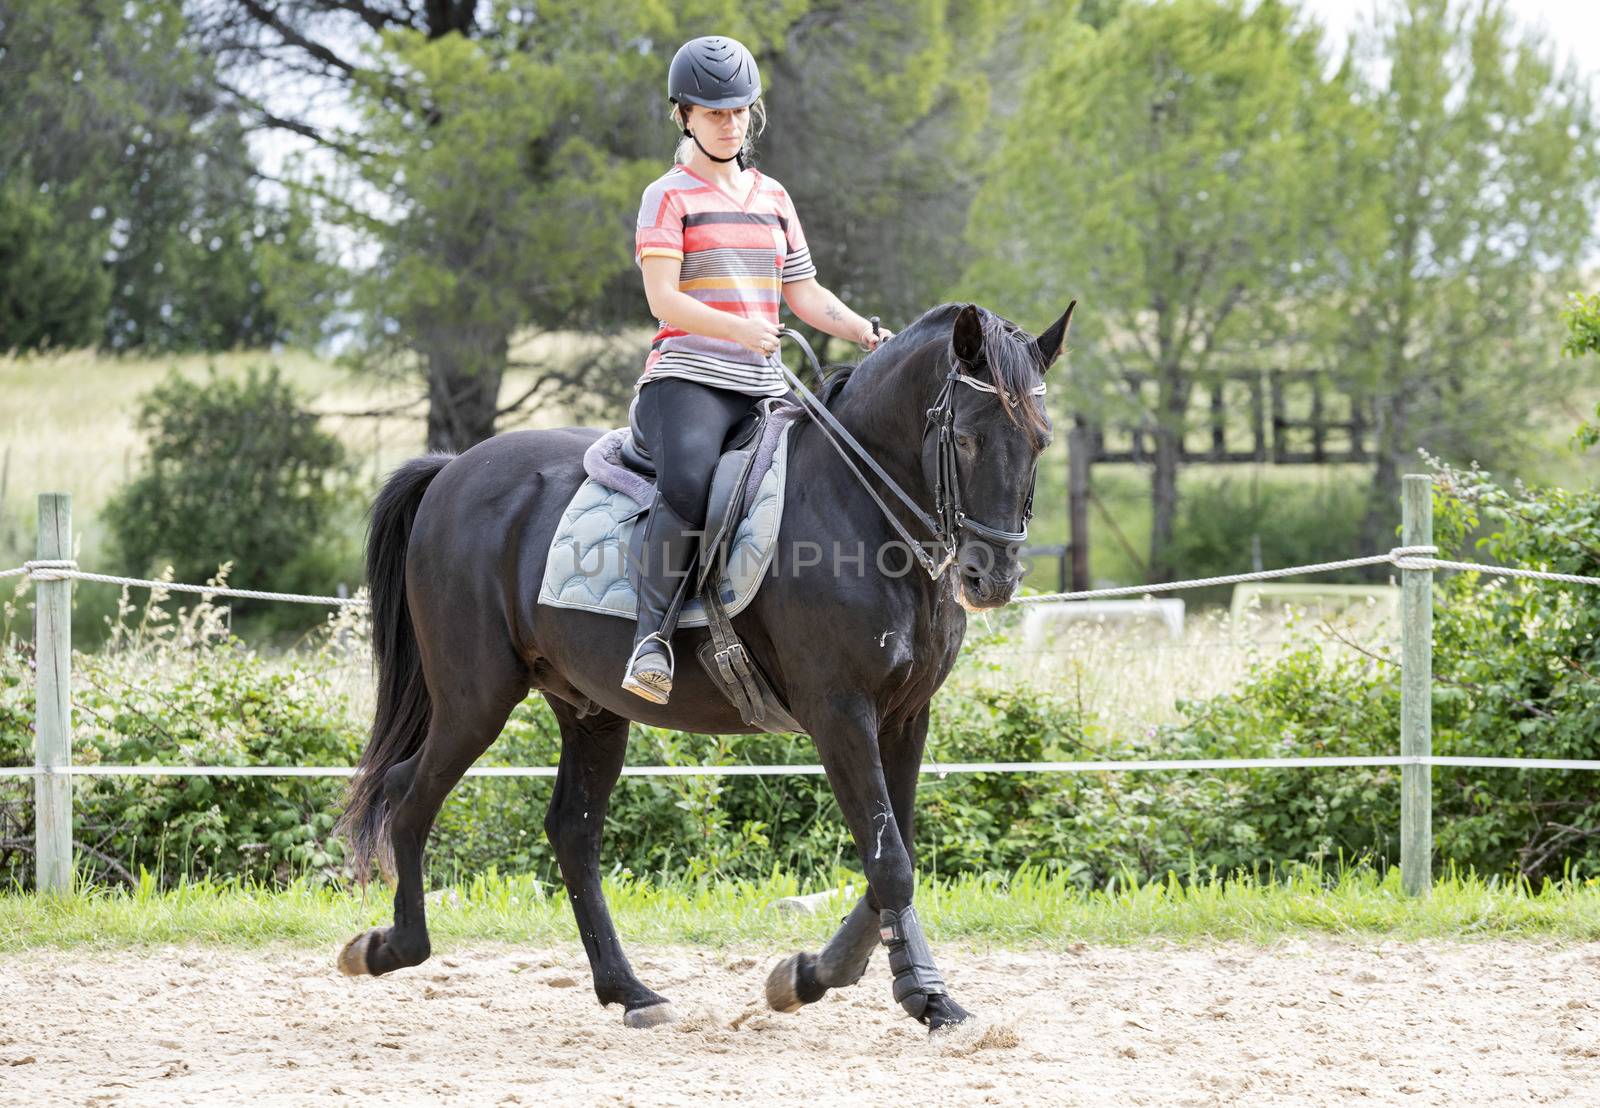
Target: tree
{"points": [[502, 220], [1480, 180], [195, 244], [877, 118], [494, 170], [56, 289], [129, 216], [1164, 168], [54, 226]]}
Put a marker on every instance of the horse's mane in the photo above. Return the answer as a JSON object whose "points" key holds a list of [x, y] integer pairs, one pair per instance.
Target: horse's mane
{"points": [[1008, 354]]}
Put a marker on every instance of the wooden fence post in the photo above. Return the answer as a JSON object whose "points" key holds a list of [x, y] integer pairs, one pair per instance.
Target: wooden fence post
{"points": [[1416, 691], [1078, 446], [52, 740]]}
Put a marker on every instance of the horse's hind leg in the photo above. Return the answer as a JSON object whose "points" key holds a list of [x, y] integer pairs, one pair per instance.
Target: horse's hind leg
{"points": [[805, 978], [592, 749], [466, 720]]}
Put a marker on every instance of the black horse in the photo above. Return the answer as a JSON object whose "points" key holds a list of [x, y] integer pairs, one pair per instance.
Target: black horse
{"points": [[854, 645]]}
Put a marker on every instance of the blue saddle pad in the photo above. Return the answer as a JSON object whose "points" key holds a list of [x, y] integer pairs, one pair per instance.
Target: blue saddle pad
{"points": [[588, 561]]}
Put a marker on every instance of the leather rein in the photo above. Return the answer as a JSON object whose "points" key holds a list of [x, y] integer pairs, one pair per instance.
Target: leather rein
{"points": [[949, 519]]}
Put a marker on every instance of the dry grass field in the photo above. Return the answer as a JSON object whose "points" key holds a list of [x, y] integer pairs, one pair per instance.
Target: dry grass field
{"points": [[67, 418]]}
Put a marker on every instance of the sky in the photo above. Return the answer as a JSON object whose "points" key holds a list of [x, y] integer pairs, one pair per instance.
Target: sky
{"points": [[1573, 24]]}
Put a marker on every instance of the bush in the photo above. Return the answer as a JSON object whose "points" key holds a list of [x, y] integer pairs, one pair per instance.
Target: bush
{"points": [[1516, 674], [182, 691], [1293, 521], [237, 472], [1518, 667]]}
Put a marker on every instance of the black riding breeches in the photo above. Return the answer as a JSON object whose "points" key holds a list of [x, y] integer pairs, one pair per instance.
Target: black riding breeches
{"points": [[684, 424]]}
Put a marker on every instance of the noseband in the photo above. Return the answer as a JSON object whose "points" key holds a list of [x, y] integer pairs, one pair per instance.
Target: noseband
{"points": [[949, 519]]}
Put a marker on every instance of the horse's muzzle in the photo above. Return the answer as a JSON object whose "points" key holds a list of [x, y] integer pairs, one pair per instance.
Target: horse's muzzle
{"points": [[981, 591]]}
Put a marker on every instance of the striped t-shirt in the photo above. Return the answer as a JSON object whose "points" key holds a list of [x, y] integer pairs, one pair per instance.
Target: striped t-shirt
{"points": [[737, 255]]}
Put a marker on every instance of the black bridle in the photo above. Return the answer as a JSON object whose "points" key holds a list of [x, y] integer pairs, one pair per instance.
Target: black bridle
{"points": [[949, 518]]}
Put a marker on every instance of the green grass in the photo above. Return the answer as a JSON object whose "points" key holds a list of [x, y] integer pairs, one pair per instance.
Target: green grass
{"points": [[1031, 909]]}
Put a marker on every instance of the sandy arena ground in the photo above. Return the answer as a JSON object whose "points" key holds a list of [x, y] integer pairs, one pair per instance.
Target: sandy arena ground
{"points": [[1319, 1022]]}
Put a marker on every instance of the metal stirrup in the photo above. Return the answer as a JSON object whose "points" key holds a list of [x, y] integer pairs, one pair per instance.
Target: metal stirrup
{"points": [[672, 661]]}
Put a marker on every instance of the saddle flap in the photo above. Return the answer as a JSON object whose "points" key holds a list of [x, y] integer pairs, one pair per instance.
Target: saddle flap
{"points": [[724, 506]]}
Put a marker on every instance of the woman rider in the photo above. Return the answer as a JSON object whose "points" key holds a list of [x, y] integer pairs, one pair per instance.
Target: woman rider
{"points": [[717, 241]]}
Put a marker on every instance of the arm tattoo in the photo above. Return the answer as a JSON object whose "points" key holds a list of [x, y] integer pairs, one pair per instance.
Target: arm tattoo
{"points": [[833, 310]]}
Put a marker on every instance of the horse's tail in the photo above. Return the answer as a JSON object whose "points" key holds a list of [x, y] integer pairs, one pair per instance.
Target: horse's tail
{"points": [[404, 708]]}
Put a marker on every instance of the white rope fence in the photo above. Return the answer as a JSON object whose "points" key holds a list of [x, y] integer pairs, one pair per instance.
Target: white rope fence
{"points": [[1401, 557], [940, 770], [58, 569], [53, 772]]}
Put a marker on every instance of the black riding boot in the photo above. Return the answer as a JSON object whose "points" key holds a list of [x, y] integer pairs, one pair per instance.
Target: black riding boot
{"points": [[666, 557]]}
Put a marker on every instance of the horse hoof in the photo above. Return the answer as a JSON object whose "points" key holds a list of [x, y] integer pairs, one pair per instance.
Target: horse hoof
{"points": [[353, 958], [783, 985], [947, 1014], [651, 1015]]}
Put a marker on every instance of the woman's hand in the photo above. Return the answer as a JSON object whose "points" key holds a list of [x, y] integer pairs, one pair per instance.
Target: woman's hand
{"points": [[870, 339], [757, 335]]}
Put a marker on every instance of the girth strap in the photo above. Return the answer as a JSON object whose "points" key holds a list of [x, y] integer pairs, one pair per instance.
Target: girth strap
{"points": [[732, 661]]}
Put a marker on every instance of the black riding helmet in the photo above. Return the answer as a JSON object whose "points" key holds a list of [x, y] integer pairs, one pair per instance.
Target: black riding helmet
{"points": [[714, 72]]}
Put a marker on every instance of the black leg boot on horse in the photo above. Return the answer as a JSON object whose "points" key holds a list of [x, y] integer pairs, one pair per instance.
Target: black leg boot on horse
{"points": [[666, 563]]}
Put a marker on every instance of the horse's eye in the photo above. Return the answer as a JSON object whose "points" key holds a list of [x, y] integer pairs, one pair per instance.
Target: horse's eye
{"points": [[966, 442]]}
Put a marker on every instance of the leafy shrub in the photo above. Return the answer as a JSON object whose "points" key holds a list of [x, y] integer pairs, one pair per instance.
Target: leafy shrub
{"points": [[726, 827], [1515, 675], [1518, 667], [1222, 522], [183, 691], [236, 472]]}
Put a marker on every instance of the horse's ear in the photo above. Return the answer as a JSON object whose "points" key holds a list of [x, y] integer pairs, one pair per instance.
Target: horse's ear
{"points": [[967, 340], [1054, 340]]}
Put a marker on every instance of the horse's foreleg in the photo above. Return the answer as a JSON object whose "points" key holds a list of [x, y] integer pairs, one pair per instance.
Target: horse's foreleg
{"points": [[804, 978], [901, 753], [592, 749], [856, 766]]}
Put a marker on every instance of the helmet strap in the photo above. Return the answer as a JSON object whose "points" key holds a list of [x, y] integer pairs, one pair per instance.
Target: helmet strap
{"points": [[739, 155]]}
